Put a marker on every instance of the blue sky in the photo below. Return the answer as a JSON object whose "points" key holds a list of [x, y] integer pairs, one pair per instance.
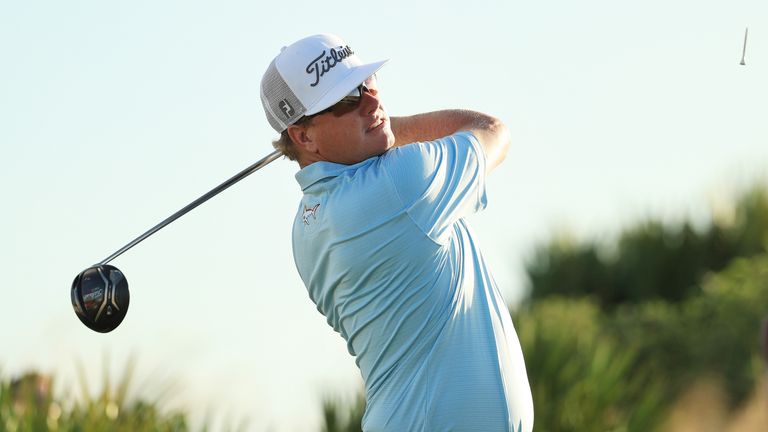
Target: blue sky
{"points": [[117, 114]]}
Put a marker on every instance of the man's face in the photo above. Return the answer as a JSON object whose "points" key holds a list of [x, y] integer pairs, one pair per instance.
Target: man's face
{"points": [[352, 136]]}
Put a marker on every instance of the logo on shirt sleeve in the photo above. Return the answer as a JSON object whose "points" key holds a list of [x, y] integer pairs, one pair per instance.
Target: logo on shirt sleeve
{"points": [[309, 212]]}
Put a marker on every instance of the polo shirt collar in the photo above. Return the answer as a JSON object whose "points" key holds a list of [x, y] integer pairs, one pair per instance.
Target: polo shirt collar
{"points": [[317, 171]]}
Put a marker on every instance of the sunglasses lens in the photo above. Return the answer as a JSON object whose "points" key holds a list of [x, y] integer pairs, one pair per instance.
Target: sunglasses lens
{"points": [[355, 93], [346, 105], [351, 101]]}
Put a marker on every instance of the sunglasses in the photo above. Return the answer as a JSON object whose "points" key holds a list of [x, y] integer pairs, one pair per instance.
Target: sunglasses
{"points": [[351, 101]]}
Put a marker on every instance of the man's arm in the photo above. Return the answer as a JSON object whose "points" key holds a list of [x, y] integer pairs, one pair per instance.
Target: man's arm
{"points": [[492, 134]]}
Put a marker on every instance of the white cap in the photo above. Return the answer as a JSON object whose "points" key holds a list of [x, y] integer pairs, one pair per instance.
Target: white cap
{"points": [[309, 76]]}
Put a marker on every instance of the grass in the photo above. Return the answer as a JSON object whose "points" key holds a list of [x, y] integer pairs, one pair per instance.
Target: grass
{"points": [[28, 403]]}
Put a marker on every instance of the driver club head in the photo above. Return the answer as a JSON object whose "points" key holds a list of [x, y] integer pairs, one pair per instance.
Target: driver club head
{"points": [[100, 297]]}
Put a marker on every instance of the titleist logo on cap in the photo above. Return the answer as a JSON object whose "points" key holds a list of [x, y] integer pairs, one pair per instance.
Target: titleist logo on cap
{"points": [[325, 62]]}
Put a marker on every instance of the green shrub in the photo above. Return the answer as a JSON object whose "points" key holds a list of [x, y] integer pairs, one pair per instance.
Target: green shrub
{"points": [[581, 378], [28, 404], [650, 261]]}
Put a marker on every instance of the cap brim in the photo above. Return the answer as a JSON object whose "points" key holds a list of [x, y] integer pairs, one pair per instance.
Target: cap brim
{"points": [[352, 80]]}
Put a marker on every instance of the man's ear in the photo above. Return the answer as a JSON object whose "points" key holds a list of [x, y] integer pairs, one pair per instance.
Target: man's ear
{"points": [[301, 138]]}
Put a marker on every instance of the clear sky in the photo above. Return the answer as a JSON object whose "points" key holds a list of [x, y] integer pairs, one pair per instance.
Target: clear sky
{"points": [[113, 115]]}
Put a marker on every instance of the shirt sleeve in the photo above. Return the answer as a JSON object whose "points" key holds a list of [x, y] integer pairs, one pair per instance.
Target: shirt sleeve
{"points": [[439, 182]]}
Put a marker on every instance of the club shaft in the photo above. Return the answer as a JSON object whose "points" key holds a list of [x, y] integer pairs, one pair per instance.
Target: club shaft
{"points": [[213, 192], [744, 50]]}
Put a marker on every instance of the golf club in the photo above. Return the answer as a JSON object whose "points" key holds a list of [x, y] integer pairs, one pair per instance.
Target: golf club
{"points": [[744, 50], [100, 294]]}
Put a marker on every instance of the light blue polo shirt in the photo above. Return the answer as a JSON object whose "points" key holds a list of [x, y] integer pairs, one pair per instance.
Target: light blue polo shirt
{"points": [[388, 259]]}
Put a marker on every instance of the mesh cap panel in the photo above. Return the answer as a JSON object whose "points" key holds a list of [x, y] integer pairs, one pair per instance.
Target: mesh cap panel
{"points": [[281, 105]]}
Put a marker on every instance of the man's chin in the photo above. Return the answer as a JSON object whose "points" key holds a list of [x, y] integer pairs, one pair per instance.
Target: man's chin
{"points": [[390, 137]]}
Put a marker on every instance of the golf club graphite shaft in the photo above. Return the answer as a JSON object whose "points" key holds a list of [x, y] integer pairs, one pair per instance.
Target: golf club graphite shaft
{"points": [[213, 192]]}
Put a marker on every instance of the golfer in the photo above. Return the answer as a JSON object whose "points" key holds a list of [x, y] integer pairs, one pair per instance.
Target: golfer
{"points": [[382, 246]]}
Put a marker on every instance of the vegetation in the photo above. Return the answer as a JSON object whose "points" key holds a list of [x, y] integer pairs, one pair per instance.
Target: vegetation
{"points": [[650, 261], [28, 404], [622, 370], [621, 335], [338, 417]]}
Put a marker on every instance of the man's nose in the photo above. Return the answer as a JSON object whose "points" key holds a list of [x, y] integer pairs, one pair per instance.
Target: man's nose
{"points": [[370, 102]]}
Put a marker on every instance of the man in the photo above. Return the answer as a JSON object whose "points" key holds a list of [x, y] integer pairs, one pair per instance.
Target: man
{"points": [[382, 247]]}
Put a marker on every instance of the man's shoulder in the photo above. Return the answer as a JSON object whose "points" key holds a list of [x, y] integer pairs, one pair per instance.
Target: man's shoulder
{"points": [[429, 155], [461, 137]]}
